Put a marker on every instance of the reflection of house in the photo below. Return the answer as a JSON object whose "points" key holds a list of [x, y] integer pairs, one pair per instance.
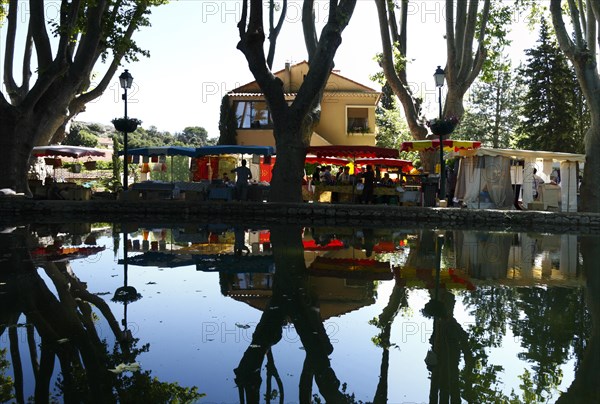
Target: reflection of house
{"points": [[335, 296], [347, 114]]}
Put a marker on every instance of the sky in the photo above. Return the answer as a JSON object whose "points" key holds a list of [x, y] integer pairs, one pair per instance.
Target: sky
{"points": [[194, 61]]}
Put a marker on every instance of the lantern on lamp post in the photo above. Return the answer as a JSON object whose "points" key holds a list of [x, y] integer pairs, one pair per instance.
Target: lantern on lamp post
{"points": [[439, 77], [125, 79]]}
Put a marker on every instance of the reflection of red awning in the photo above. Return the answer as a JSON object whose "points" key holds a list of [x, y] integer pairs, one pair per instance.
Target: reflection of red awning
{"points": [[449, 144], [425, 277], [352, 151], [385, 246], [51, 253], [311, 245], [351, 268]]}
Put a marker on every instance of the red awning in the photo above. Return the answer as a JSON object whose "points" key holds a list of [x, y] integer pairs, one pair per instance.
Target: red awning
{"points": [[311, 245], [352, 151], [311, 158], [405, 165], [434, 144], [67, 151]]}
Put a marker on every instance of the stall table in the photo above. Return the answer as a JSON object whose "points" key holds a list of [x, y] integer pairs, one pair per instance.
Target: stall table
{"points": [[349, 194], [152, 190]]}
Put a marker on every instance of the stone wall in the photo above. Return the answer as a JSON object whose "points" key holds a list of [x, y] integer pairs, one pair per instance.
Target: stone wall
{"points": [[16, 210]]}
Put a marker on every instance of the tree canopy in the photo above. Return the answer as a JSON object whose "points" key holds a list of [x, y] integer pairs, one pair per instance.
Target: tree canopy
{"points": [[549, 112], [63, 52]]}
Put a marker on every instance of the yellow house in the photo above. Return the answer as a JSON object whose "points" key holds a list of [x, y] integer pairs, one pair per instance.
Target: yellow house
{"points": [[347, 110]]}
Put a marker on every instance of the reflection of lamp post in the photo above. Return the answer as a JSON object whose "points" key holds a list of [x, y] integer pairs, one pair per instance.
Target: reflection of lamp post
{"points": [[439, 76], [125, 294], [126, 79]]}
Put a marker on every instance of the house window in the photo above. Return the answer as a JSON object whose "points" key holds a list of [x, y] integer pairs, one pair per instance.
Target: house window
{"points": [[253, 115], [358, 120]]}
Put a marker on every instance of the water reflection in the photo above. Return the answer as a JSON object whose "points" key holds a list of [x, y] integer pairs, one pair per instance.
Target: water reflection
{"points": [[448, 316]]}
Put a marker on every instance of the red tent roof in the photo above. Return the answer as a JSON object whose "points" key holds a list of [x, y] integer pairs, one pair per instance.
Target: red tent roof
{"points": [[67, 151], [353, 151]]}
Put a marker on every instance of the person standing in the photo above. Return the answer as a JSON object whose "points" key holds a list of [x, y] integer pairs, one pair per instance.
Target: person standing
{"points": [[537, 181], [243, 174], [369, 183]]}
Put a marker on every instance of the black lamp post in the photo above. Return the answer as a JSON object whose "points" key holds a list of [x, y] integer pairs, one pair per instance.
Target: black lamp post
{"points": [[126, 79], [439, 76]]}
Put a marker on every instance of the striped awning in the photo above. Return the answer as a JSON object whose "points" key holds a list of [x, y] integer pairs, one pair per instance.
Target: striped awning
{"points": [[434, 144]]}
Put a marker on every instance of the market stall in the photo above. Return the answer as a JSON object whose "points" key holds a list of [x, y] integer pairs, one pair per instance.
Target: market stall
{"points": [[348, 193], [429, 183], [52, 188], [204, 165], [503, 178]]}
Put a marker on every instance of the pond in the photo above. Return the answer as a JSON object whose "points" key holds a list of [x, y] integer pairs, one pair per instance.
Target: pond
{"points": [[216, 313]]}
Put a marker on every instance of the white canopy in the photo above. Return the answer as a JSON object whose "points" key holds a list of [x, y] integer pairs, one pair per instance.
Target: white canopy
{"points": [[490, 169]]}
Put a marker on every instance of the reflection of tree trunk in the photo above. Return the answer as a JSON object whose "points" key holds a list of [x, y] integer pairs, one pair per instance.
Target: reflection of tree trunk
{"points": [[58, 324], [290, 298], [423, 254], [15, 357], [585, 387], [42, 383], [306, 382], [386, 318], [273, 373], [448, 341], [35, 366]]}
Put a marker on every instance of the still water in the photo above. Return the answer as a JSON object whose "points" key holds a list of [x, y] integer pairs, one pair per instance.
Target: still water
{"points": [[227, 314]]}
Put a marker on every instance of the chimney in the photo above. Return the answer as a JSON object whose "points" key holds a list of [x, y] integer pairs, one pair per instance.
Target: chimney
{"points": [[287, 78]]}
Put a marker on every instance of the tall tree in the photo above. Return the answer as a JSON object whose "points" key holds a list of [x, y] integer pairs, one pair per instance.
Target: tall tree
{"points": [[581, 48], [293, 124], [193, 136], [491, 115], [36, 111], [466, 29], [466, 48], [548, 107]]}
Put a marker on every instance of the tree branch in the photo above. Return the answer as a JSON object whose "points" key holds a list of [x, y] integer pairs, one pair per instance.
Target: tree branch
{"points": [[86, 54], [481, 53], [309, 29], [575, 20], [26, 68], [564, 40], [251, 44], [592, 9], [330, 39], [40, 35], [450, 39], [9, 81], [467, 41], [69, 13], [392, 77], [274, 30], [460, 27]]}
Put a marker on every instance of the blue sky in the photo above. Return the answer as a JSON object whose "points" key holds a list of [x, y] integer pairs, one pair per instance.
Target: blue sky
{"points": [[194, 60]]}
